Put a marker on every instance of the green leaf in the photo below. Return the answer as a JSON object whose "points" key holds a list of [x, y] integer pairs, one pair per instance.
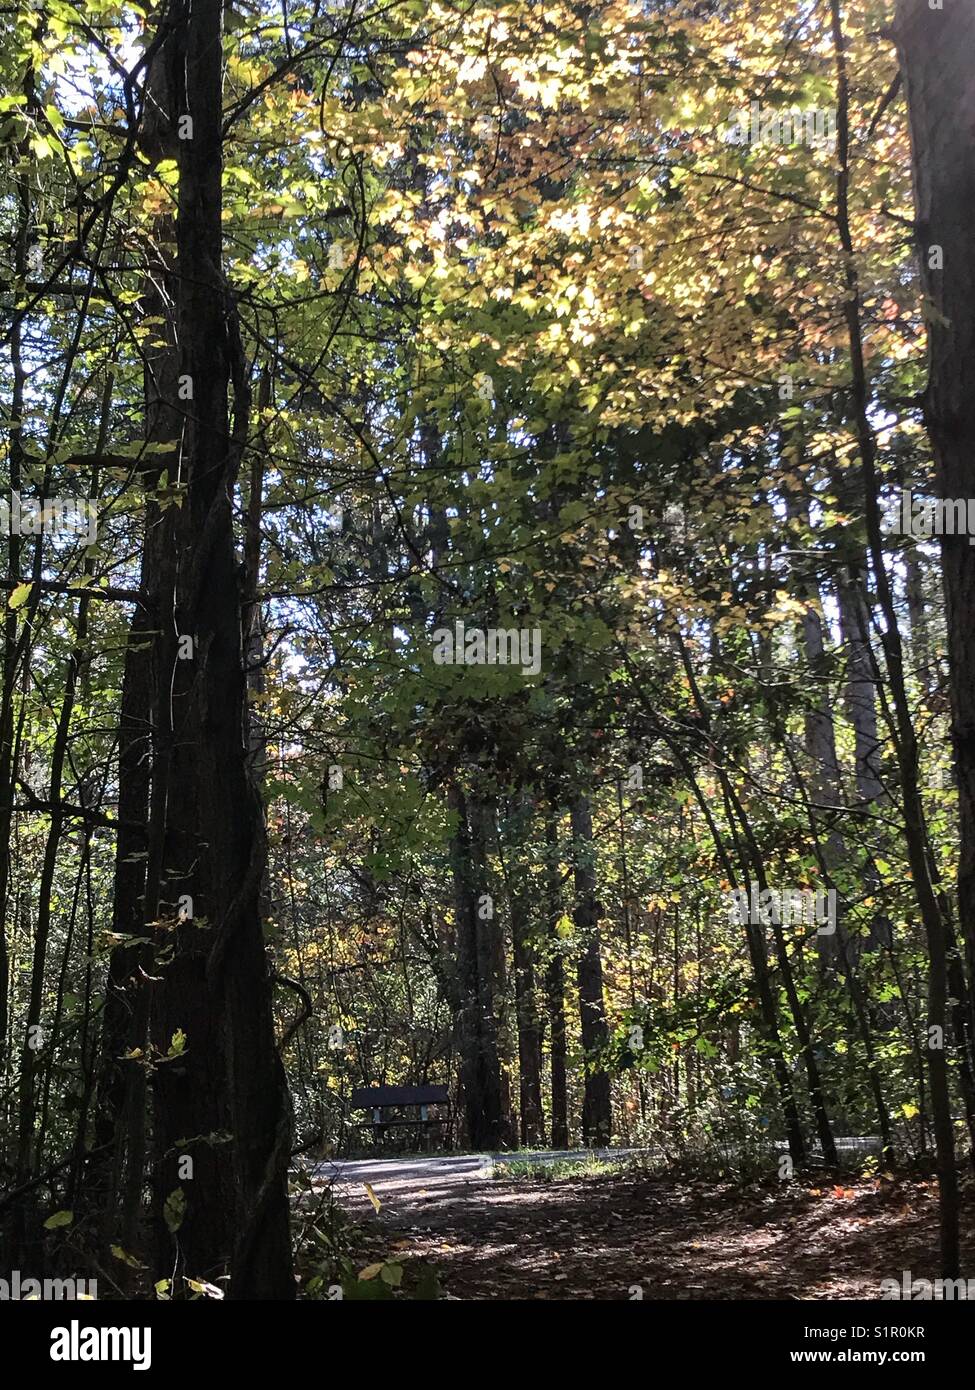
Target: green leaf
{"points": [[428, 1286], [19, 596], [60, 1218], [174, 1210], [126, 1258]]}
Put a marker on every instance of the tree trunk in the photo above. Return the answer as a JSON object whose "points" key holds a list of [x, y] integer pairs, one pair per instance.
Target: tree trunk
{"points": [[555, 993], [477, 1026], [219, 1093], [597, 1122], [924, 870], [859, 698], [529, 1034], [531, 1120], [935, 48], [121, 1096]]}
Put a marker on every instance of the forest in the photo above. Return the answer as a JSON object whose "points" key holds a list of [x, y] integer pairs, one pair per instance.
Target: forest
{"points": [[487, 494]]}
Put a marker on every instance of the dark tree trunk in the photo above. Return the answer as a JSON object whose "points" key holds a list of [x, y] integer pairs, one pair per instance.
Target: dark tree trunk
{"points": [[529, 1030], [931, 901], [118, 1172], [555, 992], [219, 1096], [515, 869], [476, 1022], [597, 1122], [935, 49], [531, 1118]]}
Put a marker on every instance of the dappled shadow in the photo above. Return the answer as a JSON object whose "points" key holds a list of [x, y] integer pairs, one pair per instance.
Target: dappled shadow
{"points": [[600, 1238]]}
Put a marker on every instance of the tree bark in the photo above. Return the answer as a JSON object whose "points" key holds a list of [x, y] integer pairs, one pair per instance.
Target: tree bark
{"points": [[597, 1121], [476, 1021], [935, 47], [555, 993], [219, 1092], [515, 869], [931, 901]]}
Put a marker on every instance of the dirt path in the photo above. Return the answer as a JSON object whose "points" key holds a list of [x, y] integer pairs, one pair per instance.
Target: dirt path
{"points": [[601, 1237]]}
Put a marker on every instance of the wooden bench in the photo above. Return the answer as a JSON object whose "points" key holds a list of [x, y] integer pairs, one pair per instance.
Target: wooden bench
{"points": [[399, 1098]]}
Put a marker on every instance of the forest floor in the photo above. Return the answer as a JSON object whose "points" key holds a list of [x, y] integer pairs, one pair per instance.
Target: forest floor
{"points": [[597, 1236]]}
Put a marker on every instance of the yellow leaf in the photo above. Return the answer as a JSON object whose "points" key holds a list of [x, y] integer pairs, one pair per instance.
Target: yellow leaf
{"points": [[372, 1197]]}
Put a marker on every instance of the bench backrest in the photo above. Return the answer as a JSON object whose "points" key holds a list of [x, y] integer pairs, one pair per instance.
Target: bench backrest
{"points": [[380, 1097]]}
